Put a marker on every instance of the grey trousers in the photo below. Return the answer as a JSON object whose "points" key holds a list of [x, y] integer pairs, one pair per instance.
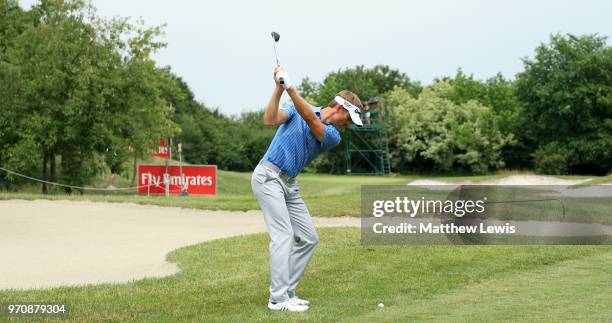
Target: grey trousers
{"points": [[292, 233]]}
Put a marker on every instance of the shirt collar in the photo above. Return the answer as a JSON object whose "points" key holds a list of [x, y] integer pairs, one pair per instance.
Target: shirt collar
{"points": [[317, 111]]}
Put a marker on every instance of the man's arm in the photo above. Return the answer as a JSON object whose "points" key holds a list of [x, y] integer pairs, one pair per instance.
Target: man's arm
{"points": [[303, 108], [273, 115]]}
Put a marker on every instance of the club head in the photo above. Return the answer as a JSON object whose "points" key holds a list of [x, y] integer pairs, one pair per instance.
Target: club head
{"points": [[276, 37]]}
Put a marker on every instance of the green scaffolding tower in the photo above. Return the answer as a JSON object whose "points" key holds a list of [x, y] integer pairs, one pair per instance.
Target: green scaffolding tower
{"points": [[366, 149]]}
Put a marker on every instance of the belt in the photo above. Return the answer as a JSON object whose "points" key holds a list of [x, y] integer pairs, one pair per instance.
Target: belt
{"points": [[284, 176]]}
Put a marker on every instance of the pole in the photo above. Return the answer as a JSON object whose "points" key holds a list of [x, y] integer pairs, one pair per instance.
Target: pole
{"points": [[182, 183], [166, 175], [180, 162]]}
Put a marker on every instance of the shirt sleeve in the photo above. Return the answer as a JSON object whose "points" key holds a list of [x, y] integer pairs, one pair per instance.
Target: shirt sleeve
{"points": [[331, 137], [289, 109]]}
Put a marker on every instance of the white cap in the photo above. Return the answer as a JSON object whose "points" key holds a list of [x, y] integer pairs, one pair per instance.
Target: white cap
{"points": [[353, 110]]}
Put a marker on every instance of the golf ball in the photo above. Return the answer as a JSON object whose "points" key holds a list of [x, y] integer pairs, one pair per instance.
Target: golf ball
{"points": [[381, 305]]}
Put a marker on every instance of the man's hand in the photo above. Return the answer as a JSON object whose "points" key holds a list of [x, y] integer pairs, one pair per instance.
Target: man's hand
{"points": [[276, 81], [281, 77]]}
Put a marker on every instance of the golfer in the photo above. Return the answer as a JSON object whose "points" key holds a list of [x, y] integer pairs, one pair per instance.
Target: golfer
{"points": [[305, 132]]}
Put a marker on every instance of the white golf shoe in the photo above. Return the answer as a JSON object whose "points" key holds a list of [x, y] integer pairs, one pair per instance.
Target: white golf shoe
{"points": [[288, 306], [299, 301]]}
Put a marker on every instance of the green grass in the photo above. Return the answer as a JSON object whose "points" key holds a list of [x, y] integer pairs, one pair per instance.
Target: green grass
{"points": [[571, 290], [226, 281], [325, 195], [599, 180]]}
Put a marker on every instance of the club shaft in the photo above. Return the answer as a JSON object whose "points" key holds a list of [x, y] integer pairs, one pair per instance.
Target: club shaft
{"points": [[276, 54], [281, 81]]}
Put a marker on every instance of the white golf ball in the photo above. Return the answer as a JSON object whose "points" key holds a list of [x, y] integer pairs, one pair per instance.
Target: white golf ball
{"points": [[381, 305]]}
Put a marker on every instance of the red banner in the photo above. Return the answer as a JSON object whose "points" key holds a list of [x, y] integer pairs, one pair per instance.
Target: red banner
{"points": [[163, 150], [195, 179]]}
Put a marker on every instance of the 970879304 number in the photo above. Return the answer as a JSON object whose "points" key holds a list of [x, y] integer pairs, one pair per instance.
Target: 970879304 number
{"points": [[33, 309]]}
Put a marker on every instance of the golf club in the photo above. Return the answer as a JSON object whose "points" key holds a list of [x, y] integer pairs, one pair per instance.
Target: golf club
{"points": [[276, 38]]}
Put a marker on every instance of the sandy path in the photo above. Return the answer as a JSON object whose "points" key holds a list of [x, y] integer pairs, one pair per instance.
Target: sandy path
{"points": [[57, 243]]}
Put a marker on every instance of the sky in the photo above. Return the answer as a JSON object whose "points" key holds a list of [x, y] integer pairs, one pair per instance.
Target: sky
{"points": [[224, 51]]}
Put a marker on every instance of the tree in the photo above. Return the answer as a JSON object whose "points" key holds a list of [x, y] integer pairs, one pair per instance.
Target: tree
{"points": [[433, 133], [365, 82], [81, 85], [567, 91], [500, 95], [13, 20]]}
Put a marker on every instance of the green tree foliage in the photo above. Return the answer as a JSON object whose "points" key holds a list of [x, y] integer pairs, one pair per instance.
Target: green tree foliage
{"points": [[13, 20], [433, 133], [365, 82], [499, 94], [197, 123], [567, 91], [255, 136], [209, 137], [74, 86]]}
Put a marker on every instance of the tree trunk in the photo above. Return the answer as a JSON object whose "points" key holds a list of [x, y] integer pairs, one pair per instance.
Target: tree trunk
{"points": [[53, 169], [134, 169], [45, 177]]}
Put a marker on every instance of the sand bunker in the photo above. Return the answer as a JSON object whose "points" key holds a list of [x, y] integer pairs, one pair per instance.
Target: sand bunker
{"points": [[509, 180], [57, 243]]}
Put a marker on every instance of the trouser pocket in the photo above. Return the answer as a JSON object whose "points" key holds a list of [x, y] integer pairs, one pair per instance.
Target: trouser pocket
{"points": [[259, 176]]}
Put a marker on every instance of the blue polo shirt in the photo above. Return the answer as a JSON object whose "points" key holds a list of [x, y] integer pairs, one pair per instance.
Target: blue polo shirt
{"points": [[294, 145]]}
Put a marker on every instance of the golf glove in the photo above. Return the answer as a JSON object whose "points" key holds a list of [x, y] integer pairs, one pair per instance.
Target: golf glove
{"points": [[283, 78]]}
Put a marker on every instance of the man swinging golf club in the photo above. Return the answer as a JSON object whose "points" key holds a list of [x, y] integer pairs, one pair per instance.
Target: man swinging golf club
{"points": [[305, 132]]}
